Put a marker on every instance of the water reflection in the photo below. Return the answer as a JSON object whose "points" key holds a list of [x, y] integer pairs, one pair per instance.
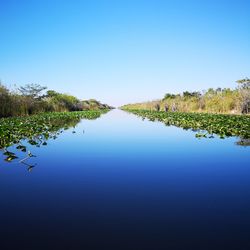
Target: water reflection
{"points": [[200, 133], [24, 161], [127, 179], [19, 135], [243, 142]]}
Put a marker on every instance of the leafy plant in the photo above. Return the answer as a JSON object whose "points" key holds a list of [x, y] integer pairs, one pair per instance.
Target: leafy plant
{"points": [[38, 129], [219, 124]]}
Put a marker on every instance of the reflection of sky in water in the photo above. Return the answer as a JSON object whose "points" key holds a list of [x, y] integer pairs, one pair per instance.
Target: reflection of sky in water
{"points": [[125, 179]]}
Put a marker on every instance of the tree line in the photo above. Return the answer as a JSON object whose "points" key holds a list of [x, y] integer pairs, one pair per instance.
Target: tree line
{"points": [[33, 99], [235, 101]]}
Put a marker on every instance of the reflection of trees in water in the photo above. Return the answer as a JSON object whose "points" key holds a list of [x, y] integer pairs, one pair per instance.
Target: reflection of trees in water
{"points": [[243, 142]]}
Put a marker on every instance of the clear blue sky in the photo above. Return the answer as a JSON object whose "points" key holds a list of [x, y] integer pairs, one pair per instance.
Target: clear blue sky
{"points": [[125, 50]]}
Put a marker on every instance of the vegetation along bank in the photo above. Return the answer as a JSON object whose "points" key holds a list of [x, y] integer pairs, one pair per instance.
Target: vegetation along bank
{"points": [[219, 124], [37, 129], [32, 99], [228, 101]]}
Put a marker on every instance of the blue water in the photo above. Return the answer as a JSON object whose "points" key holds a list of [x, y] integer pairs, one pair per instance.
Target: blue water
{"points": [[123, 183]]}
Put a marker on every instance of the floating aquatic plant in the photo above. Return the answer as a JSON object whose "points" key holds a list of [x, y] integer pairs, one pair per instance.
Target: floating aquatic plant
{"points": [[37, 129], [219, 124]]}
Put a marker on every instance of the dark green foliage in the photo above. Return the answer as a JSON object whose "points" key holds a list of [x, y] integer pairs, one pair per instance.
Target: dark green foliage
{"points": [[169, 96], [219, 124], [37, 129], [65, 102], [191, 94], [51, 93]]}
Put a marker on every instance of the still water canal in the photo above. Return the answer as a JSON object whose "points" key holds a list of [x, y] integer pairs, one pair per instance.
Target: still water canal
{"points": [[118, 182]]}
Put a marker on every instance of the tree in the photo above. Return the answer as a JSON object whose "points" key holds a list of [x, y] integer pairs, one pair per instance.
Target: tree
{"points": [[244, 83], [191, 94], [169, 96], [52, 93], [218, 90], [210, 92], [186, 94], [5, 101], [32, 90], [244, 90]]}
